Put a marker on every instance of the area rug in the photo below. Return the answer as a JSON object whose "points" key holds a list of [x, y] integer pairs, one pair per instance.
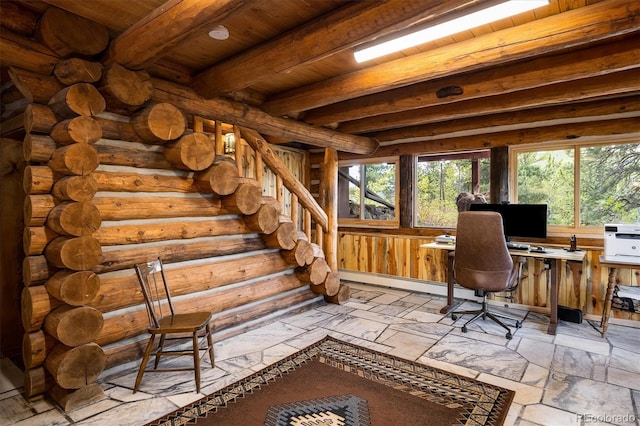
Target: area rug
{"points": [[333, 382]]}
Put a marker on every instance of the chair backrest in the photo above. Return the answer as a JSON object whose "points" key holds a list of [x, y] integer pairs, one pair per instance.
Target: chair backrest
{"points": [[155, 290], [482, 259]]}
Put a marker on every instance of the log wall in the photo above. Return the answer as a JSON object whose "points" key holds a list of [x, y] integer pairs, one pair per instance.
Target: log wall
{"points": [[112, 180]]}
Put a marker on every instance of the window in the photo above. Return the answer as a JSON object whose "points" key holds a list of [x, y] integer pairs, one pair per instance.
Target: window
{"points": [[441, 178], [372, 185], [585, 185]]}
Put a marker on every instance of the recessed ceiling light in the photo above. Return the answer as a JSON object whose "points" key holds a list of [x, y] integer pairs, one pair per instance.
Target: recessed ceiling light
{"points": [[219, 33]]}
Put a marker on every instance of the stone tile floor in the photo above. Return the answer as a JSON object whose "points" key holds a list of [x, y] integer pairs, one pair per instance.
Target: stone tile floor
{"points": [[573, 378]]}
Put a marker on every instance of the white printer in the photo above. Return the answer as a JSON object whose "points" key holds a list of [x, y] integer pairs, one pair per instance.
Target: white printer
{"points": [[622, 240]]}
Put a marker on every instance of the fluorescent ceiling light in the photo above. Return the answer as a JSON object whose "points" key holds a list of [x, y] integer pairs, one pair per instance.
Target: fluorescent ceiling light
{"points": [[474, 19]]}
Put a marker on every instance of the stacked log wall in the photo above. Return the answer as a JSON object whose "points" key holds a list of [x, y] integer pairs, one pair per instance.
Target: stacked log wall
{"points": [[113, 179], [97, 205], [58, 355]]}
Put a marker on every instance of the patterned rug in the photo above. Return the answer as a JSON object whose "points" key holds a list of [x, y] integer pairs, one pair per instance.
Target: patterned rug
{"points": [[337, 383]]}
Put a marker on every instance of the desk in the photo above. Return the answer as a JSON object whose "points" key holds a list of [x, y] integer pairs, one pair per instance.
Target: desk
{"points": [[612, 263], [550, 257]]}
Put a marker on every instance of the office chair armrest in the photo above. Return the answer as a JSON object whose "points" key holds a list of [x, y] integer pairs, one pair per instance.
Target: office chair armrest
{"points": [[519, 262]]}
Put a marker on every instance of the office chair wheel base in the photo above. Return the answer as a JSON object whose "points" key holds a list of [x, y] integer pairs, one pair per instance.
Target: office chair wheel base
{"points": [[454, 317], [518, 324], [508, 336], [464, 328]]}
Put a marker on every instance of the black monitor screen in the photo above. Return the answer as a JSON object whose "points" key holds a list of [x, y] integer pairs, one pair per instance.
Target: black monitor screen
{"points": [[519, 220]]}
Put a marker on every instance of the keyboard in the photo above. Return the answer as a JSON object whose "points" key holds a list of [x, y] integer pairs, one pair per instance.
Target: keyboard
{"points": [[515, 246]]}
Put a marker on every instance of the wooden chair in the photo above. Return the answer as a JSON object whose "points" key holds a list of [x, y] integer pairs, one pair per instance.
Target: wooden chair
{"points": [[163, 321]]}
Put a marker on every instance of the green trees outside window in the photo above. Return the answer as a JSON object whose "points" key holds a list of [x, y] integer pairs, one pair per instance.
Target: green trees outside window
{"points": [[547, 177], [372, 185], [584, 186], [440, 180]]}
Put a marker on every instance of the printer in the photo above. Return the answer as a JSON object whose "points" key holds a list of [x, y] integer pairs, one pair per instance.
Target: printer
{"points": [[622, 240]]}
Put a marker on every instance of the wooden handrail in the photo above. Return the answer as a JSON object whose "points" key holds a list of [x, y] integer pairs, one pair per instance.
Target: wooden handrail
{"points": [[270, 158]]}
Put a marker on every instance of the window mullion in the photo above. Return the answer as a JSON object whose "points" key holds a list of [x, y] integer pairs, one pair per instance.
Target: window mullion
{"points": [[363, 188], [576, 187]]}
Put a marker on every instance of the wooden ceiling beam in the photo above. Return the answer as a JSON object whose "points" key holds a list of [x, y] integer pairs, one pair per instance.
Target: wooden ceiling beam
{"points": [[604, 109], [620, 83], [32, 56], [244, 115], [154, 35], [598, 22], [19, 19], [590, 62], [355, 23], [617, 128], [23, 52]]}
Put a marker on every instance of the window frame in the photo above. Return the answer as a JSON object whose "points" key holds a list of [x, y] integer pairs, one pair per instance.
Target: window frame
{"points": [[372, 223], [575, 145]]}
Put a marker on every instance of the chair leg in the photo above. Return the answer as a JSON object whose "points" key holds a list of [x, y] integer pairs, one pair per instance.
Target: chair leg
{"points": [[143, 364], [159, 351], [210, 342], [196, 360], [503, 316], [460, 313], [484, 313], [497, 320], [477, 315]]}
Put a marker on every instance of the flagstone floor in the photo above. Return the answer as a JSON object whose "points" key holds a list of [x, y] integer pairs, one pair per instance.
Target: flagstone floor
{"points": [[573, 378]]}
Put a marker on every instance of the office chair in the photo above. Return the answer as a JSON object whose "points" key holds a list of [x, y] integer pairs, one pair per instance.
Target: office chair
{"points": [[482, 263], [163, 321]]}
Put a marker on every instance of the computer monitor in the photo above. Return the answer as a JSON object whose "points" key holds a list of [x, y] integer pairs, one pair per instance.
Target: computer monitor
{"points": [[519, 220]]}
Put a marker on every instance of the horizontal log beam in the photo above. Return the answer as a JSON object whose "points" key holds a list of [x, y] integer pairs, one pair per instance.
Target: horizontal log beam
{"points": [[34, 86], [138, 182], [132, 156], [243, 115], [602, 21], [123, 258], [22, 52], [605, 109], [122, 208], [165, 27], [338, 30], [118, 234], [591, 62], [627, 127], [19, 19], [215, 302], [120, 290], [620, 83]]}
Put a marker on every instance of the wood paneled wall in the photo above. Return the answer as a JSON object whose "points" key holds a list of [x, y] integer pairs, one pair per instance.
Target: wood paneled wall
{"points": [[583, 285]]}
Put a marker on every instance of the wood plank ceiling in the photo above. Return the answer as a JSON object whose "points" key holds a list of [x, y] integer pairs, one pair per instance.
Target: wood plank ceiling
{"points": [[562, 71]]}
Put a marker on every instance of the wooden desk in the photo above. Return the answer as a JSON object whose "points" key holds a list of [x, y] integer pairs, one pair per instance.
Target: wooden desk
{"points": [[550, 257], [613, 263]]}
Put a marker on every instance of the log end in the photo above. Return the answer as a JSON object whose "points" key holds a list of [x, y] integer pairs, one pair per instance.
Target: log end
{"points": [[341, 297], [191, 152], [70, 400]]}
